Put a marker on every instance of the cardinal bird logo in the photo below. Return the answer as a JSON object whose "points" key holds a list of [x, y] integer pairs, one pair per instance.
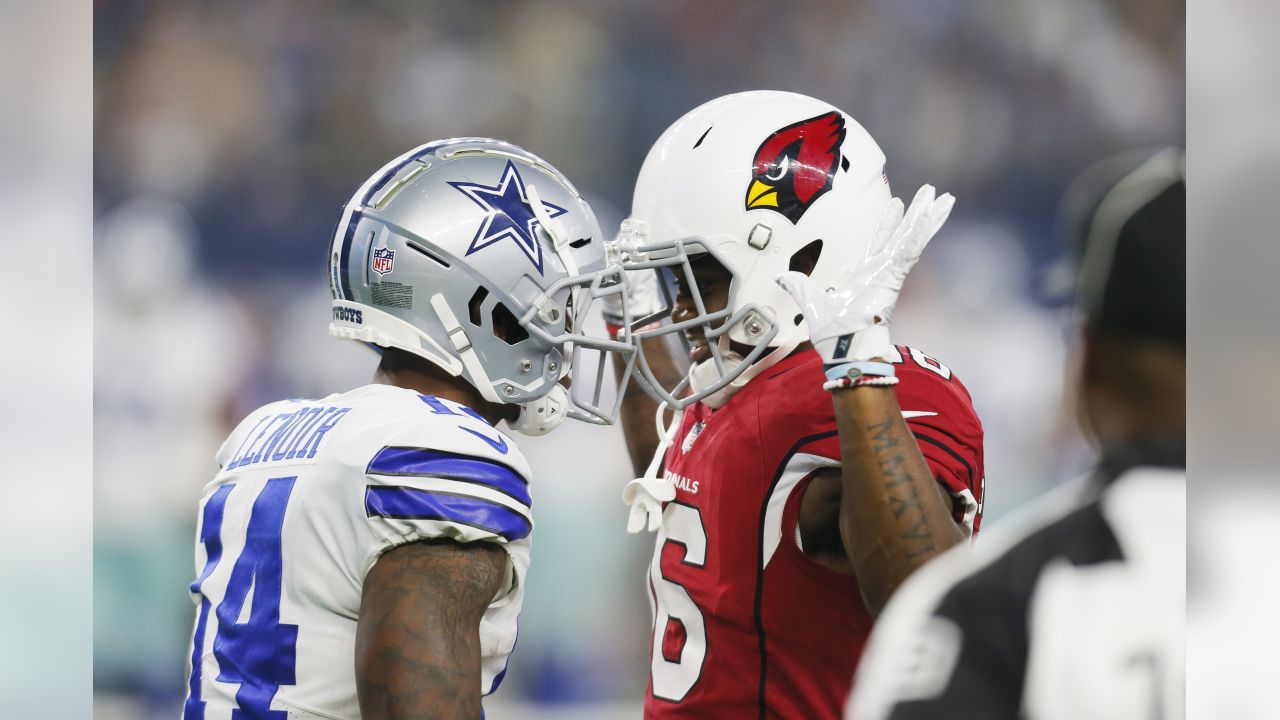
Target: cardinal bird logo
{"points": [[795, 165]]}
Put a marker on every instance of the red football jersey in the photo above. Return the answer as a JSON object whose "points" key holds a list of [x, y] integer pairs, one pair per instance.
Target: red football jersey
{"points": [[746, 625]]}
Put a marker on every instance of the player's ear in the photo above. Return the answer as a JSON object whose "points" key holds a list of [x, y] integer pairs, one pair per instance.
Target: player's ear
{"points": [[1092, 384], [806, 258]]}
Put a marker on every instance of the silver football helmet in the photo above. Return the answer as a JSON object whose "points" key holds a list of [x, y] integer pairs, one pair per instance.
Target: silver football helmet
{"points": [[482, 258]]}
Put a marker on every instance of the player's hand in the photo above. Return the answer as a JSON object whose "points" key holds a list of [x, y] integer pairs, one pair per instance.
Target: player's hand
{"points": [[851, 321], [642, 296]]}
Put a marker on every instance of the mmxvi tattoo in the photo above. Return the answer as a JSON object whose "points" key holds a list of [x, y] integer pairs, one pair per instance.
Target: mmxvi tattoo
{"points": [[891, 458]]}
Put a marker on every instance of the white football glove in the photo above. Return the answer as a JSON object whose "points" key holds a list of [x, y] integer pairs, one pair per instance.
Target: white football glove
{"points": [[851, 322], [643, 298]]}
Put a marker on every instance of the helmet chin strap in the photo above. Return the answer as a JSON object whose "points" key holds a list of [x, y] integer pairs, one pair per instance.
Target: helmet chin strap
{"points": [[647, 494], [553, 228], [560, 244], [462, 345], [704, 374]]}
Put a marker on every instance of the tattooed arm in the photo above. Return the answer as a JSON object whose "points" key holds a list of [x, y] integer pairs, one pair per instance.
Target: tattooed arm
{"points": [[893, 515], [418, 638]]}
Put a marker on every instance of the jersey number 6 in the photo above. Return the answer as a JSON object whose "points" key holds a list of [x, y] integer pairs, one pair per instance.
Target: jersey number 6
{"points": [[679, 634]]}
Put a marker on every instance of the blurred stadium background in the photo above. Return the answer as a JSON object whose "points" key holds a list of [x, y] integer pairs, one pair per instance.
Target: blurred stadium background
{"points": [[228, 134]]}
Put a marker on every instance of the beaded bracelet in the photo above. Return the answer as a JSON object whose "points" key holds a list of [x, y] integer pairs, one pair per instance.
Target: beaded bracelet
{"points": [[872, 380]]}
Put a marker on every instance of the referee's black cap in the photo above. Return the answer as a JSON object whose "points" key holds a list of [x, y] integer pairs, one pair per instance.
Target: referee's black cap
{"points": [[1128, 218]]}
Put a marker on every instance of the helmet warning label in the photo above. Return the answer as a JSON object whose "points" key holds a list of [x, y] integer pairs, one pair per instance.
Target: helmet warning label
{"points": [[392, 295]]}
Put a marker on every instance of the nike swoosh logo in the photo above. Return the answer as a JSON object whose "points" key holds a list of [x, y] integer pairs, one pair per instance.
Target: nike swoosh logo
{"points": [[908, 414], [498, 443]]}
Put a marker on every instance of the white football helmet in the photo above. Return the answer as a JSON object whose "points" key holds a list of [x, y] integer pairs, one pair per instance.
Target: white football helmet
{"points": [[751, 178], [483, 259]]}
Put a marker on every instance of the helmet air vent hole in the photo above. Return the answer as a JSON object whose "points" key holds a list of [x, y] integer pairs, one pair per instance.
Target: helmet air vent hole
{"points": [[580, 242], [844, 164], [506, 327], [702, 137], [423, 251], [473, 306], [806, 258]]}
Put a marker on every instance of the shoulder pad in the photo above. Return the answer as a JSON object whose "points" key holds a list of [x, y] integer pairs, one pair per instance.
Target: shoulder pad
{"points": [[397, 417], [246, 426]]}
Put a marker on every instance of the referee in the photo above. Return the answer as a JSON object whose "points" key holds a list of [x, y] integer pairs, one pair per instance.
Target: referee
{"points": [[1076, 607]]}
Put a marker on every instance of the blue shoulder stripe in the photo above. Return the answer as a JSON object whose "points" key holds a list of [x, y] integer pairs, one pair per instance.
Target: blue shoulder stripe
{"points": [[417, 462], [404, 503]]}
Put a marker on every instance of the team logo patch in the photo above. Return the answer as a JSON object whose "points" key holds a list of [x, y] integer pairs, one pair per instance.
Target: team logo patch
{"points": [[384, 259], [691, 436], [796, 165], [509, 216]]}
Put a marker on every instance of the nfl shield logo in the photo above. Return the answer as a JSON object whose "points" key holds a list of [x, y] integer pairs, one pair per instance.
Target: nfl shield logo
{"points": [[691, 436], [384, 259]]}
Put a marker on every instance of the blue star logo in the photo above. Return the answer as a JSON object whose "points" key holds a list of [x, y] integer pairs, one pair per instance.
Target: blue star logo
{"points": [[510, 216]]}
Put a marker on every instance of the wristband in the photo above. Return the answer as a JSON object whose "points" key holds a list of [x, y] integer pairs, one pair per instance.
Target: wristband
{"points": [[865, 380], [860, 368]]}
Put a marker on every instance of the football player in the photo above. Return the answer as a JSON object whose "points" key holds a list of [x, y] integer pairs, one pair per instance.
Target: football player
{"points": [[785, 516], [363, 555]]}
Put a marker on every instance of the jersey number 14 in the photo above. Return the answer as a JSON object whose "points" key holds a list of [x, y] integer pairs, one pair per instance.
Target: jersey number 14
{"points": [[259, 654]]}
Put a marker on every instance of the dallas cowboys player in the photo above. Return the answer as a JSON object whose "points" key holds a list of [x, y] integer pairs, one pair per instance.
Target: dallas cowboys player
{"points": [[364, 555]]}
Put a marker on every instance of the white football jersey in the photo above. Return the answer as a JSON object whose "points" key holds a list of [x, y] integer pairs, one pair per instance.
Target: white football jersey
{"points": [[309, 495]]}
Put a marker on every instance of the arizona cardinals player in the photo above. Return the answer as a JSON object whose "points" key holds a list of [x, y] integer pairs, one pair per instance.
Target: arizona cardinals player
{"points": [[784, 520]]}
